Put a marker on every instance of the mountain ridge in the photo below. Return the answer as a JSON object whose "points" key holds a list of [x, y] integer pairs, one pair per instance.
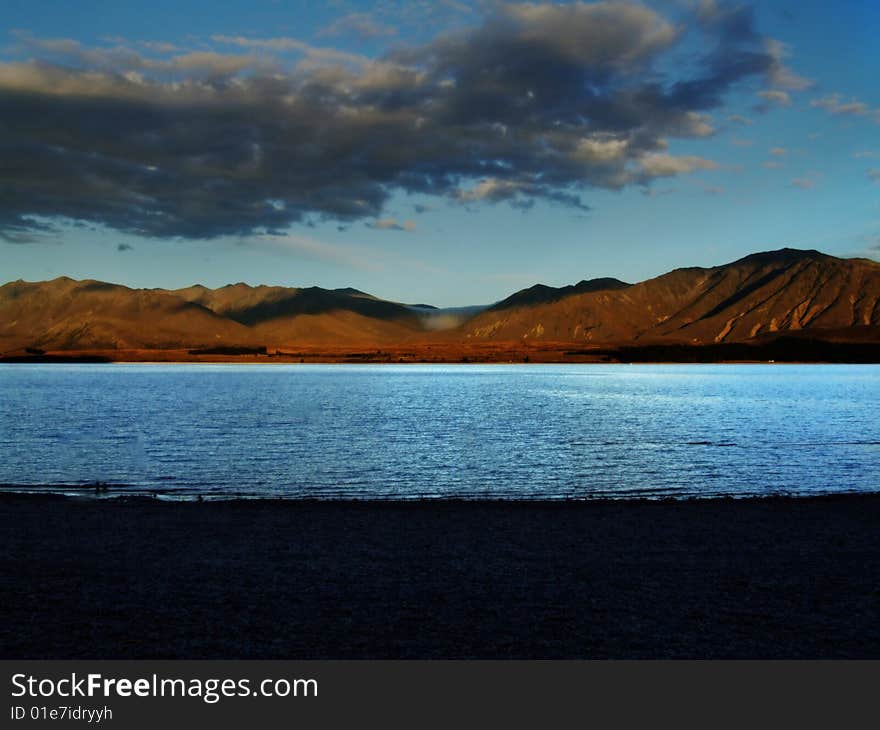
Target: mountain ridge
{"points": [[755, 298]]}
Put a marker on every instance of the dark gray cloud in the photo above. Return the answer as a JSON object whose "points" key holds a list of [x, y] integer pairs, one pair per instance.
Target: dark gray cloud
{"points": [[24, 229], [124, 247], [537, 102]]}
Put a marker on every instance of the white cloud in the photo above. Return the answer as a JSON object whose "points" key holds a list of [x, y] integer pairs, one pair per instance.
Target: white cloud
{"points": [[776, 97], [601, 151], [490, 189], [780, 76], [359, 24], [661, 164], [835, 104], [852, 107]]}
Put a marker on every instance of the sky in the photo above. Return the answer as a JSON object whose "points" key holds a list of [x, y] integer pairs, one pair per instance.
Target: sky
{"points": [[447, 152]]}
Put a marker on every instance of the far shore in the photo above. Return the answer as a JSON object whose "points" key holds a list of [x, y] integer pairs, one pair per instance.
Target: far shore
{"points": [[145, 579], [785, 349]]}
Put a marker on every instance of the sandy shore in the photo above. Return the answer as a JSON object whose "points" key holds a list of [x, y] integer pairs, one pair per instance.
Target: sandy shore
{"points": [[144, 579]]}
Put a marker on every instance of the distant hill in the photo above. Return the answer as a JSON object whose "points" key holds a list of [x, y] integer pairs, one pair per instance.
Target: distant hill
{"points": [[64, 314], [258, 305], [542, 294], [756, 299]]}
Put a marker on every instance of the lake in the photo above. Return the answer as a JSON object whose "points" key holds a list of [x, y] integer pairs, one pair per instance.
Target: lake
{"points": [[440, 431]]}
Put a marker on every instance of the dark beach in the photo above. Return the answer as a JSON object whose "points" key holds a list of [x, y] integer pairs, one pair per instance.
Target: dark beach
{"points": [[762, 578]]}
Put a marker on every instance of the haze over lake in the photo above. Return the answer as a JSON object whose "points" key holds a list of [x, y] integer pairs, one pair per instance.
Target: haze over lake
{"points": [[441, 431]]}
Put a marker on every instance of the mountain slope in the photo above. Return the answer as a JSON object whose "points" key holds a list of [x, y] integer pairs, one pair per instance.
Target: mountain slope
{"points": [[65, 314], [776, 291]]}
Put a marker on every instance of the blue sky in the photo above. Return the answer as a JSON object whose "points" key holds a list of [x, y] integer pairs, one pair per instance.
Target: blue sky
{"points": [[441, 152]]}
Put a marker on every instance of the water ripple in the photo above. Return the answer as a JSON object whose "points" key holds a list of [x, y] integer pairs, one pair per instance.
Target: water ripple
{"points": [[467, 432]]}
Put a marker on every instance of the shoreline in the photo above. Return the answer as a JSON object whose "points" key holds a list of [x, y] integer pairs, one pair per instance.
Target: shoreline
{"points": [[280, 361], [88, 495], [727, 578], [784, 349]]}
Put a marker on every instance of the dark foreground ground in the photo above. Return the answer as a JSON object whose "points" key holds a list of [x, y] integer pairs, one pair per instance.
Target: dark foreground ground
{"points": [[142, 579]]}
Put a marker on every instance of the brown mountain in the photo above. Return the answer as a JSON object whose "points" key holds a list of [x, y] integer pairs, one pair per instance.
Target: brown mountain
{"points": [[254, 305], [64, 314], [759, 298], [764, 294], [313, 316], [542, 294]]}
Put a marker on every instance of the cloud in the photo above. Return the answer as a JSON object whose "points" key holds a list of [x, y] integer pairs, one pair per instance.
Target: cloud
{"points": [[491, 189], [354, 257], [660, 164], [87, 71], [26, 229], [739, 119], [534, 102], [873, 174], [780, 75], [390, 224], [735, 21], [774, 97], [517, 193], [362, 25], [159, 46], [836, 105], [494, 190], [804, 183], [124, 247], [778, 151], [316, 54], [21, 236]]}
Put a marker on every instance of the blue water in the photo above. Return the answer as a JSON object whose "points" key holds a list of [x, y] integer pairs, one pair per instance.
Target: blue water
{"points": [[415, 431]]}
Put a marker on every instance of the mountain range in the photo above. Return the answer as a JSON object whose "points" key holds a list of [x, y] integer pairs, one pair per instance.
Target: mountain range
{"points": [[757, 299]]}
